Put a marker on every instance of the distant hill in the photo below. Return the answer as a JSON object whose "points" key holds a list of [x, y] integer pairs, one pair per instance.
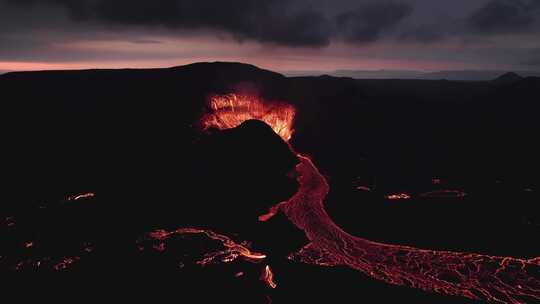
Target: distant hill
{"points": [[456, 75], [507, 78]]}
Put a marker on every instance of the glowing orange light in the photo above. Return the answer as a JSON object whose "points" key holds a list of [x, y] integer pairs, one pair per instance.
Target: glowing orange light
{"points": [[268, 277], [231, 252], [238, 274], [81, 196], [66, 263], [231, 110], [398, 196], [271, 213], [364, 188]]}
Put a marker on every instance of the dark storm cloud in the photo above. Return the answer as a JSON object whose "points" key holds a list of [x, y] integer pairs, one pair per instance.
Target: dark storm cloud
{"points": [[505, 16], [533, 59], [426, 33], [283, 22], [372, 34], [14, 47], [367, 23], [272, 21]]}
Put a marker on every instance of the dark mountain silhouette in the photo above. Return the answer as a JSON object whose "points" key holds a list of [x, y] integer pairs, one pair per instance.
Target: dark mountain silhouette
{"points": [[507, 78], [453, 75]]}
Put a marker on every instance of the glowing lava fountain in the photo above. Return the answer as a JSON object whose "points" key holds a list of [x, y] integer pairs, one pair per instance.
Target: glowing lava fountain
{"points": [[474, 276], [230, 111]]}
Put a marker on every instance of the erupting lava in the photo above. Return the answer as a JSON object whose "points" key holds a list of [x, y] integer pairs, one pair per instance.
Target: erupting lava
{"points": [[474, 276], [229, 111]]}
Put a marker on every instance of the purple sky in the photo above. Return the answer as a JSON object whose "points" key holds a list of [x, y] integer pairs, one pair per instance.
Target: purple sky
{"points": [[282, 35]]}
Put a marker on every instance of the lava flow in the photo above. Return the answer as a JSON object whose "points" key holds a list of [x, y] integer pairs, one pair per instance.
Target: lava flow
{"points": [[474, 276], [81, 196], [231, 252], [399, 196], [268, 277]]}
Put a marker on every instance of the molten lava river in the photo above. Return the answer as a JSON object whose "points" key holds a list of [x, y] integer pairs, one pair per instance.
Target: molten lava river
{"points": [[474, 276]]}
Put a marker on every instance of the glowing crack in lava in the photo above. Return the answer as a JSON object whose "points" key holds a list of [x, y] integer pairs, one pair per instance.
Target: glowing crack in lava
{"points": [[267, 277], [81, 196], [231, 252], [399, 196], [474, 276], [229, 111]]}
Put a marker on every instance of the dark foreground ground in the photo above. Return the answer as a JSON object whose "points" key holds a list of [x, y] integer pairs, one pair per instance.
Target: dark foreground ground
{"points": [[131, 137]]}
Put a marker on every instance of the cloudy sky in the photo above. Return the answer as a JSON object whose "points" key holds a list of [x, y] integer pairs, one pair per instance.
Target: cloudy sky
{"points": [[283, 35]]}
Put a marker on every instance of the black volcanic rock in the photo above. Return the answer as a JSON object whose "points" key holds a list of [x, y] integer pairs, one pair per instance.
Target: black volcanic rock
{"points": [[253, 146], [507, 78], [244, 171]]}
